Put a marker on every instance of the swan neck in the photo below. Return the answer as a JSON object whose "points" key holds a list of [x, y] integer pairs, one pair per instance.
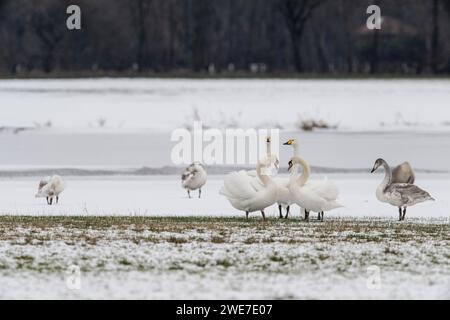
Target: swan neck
{"points": [[269, 149], [296, 153], [387, 174], [263, 177], [301, 181]]}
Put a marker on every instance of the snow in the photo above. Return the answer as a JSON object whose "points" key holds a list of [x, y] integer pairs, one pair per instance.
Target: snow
{"points": [[163, 196], [126, 151], [256, 261], [395, 119], [136, 104]]}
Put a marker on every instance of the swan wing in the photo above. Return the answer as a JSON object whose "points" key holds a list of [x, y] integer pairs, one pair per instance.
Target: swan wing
{"points": [[325, 188], [238, 185], [403, 173], [406, 193], [307, 198]]}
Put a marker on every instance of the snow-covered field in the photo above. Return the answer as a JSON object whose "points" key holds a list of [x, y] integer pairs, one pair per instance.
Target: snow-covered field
{"points": [[126, 222], [163, 196], [211, 258], [162, 105]]}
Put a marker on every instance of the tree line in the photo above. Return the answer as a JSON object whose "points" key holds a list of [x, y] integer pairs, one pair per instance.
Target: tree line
{"points": [[224, 37]]}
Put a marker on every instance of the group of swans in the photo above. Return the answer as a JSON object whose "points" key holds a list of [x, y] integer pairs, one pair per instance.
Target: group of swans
{"points": [[250, 193], [256, 190]]}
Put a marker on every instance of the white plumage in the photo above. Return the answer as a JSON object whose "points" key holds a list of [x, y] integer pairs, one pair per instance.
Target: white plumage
{"points": [[50, 188], [244, 194], [318, 197]]}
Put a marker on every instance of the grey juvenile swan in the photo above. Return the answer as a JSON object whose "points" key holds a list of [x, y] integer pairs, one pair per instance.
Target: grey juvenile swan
{"points": [[193, 178], [401, 195]]}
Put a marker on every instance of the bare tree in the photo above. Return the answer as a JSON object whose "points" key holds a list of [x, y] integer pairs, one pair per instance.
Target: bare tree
{"points": [[48, 23], [296, 14], [142, 7], [435, 36]]}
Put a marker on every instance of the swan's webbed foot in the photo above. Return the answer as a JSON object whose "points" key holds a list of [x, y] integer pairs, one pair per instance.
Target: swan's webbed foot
{"points": [[287, 212], [263, 215], [404, 214], [280, 210]]}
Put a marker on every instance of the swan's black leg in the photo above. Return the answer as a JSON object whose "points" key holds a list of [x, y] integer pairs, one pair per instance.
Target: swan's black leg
{"points": [[318, 216], [47, 201], [57, 199], [199, 193], [189, 194], [263, 214], [321, 216], [287, 212], [306, 215], [399, 213], [404, 213], [50, 201], [246, 215], [280, 210]]}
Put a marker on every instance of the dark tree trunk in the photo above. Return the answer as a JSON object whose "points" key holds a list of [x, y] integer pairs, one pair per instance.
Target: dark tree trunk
{"points": [[374, 54], [435, 36], [141, 34], [296, 14]]}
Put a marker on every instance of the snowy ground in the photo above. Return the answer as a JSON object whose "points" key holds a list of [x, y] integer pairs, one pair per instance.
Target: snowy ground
{"points": [[130, 104], [163, 196], [111, 139], [211, 258]]}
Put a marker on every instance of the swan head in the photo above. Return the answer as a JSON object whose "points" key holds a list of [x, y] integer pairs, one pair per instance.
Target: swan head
{"points": [[290, 142], [378, 163]]}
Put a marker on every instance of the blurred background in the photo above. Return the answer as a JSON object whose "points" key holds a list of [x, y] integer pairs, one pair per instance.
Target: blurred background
{"points": [[225, 38]]}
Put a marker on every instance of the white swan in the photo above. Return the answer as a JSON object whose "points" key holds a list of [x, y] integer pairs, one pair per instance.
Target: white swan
{"points": [[324, 188], [401, 195], [306, 195], [240, 191], [193, 178], [283, 199], [50, 188]]}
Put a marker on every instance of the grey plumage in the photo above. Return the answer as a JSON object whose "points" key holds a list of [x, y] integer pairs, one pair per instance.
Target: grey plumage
{"points": [[403, 173], [407, 194], [193, 178], [401, 195]]}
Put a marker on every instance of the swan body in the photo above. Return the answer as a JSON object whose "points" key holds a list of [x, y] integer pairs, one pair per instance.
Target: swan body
{"points": [[401, 195], [239, 188], [194, 177], [283, 200], [318, 197], [324, 188], [50, 188]]}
